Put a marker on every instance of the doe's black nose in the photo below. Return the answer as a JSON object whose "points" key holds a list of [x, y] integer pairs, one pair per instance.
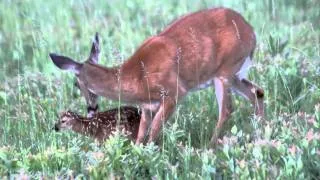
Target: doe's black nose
{"points": [[56, 128]]}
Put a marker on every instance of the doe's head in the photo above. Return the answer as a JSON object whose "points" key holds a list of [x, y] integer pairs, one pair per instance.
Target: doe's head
{"points": [[68, 64]]}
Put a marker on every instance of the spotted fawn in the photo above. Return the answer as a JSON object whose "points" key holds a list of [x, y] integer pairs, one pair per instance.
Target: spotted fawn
{"points": [[102, 124]]}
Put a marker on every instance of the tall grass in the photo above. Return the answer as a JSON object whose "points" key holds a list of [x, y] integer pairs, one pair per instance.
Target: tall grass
{"points": [[33, 91]]}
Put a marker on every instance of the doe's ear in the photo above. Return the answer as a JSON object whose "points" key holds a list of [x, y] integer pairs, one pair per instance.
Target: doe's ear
{"points": [[65, 63], [95, 50]]}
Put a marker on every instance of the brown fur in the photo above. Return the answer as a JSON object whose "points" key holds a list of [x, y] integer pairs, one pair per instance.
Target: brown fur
{"points": [[195, 49], [102, 124]]}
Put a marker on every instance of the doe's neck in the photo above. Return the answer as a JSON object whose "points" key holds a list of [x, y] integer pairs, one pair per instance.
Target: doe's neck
{"points": [[103, 81]]}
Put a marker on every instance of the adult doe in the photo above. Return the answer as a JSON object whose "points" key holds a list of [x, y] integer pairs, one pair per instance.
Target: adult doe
{"points": [[209, 47]]}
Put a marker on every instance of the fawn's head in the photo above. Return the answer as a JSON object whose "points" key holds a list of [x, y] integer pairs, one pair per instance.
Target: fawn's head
{"points": [[66, 121], [67, 63]]}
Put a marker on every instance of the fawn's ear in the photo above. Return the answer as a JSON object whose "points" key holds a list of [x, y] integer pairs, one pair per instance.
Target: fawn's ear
{"points": [[95, 50], [65, 63]]}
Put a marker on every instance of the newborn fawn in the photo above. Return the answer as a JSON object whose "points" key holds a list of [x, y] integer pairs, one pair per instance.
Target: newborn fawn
{"points": [[102, 124]]}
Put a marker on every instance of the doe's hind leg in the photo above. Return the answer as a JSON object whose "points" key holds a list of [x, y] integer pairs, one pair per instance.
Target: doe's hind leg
{"points": [[251, 92]]}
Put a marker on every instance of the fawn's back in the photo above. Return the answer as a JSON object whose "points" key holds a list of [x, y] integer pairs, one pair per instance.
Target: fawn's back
{"points": [[102, 124]]}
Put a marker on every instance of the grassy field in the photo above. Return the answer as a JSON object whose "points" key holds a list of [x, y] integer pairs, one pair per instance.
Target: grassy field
{"points": [[33, 92]]}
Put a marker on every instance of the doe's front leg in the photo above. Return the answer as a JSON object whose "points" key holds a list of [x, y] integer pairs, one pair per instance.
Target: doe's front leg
{"points": [[223, 95], [166, 108], [143, 126]]}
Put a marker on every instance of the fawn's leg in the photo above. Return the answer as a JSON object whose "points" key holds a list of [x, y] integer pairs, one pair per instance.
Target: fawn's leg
{"points": [[223, 96]]}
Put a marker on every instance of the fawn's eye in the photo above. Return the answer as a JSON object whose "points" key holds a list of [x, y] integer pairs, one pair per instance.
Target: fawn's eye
{"points": [[63, 120]]}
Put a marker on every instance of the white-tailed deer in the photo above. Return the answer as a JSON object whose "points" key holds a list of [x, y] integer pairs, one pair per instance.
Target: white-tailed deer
{"points": [[101, 125], [209, 47]]}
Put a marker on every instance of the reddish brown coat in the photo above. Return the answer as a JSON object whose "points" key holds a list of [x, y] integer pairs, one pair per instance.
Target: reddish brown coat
{"points": [[212, 46]]}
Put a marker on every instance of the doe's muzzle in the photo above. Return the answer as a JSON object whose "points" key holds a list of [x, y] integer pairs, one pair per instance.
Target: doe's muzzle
{"points": [[56, 127]]}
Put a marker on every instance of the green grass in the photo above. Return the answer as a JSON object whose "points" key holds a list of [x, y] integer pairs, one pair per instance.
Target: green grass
{"points": [[33, 91]]}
